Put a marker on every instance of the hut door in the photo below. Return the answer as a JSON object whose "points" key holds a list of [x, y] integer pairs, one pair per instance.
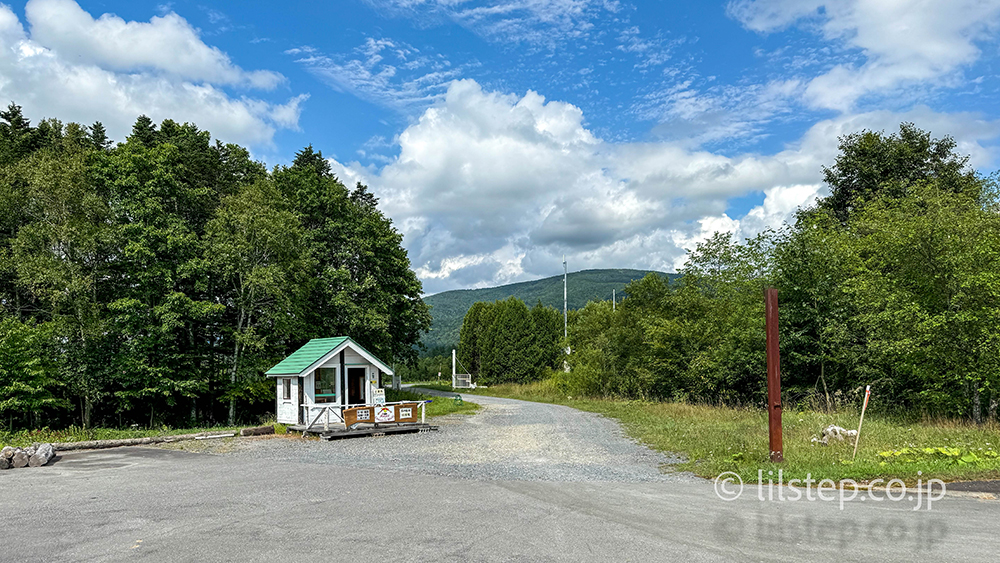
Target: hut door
{"points": [[302, 388], [356, 381]]}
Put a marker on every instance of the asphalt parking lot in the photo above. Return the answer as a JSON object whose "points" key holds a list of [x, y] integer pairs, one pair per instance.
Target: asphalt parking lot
{"points": [[164, 505]]}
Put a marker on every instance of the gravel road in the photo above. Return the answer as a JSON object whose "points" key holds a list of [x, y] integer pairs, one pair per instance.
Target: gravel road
{"points": [[516, 482], [507, 440]]}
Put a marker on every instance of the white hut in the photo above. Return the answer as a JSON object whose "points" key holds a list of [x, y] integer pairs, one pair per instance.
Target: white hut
{"points": [[324, 373]]}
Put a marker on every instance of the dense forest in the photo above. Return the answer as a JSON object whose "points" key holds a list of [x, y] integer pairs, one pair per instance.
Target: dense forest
{"points": [[502, 341], [153, 281], [506, 342], [892, 280]]}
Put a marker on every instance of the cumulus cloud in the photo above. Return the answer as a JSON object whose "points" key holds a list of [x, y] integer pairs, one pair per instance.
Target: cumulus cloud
{"points": [[168, 43], [905, 43], [83, 69], [491, 188]]}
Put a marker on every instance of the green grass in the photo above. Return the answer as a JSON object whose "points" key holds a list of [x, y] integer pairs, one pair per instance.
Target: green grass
{"points": [[717, 439], [446, 387], [24, 438], [437, 407]]}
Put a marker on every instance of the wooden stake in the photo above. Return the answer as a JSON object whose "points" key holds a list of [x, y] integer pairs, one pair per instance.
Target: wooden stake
{"points": [[857, 439], [773, 375]]}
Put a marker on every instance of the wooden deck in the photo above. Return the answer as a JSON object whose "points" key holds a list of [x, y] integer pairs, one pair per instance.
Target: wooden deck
{"points": [[341, 433]]}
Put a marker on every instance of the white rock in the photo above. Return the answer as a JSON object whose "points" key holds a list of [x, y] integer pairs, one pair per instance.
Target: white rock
{"points": [[835, 432], [43, 454]]}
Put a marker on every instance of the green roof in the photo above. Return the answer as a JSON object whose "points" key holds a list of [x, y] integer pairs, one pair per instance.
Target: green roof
{"points": [[307, 355]]}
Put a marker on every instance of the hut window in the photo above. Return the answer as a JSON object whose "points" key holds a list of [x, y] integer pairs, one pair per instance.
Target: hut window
{"points": [[286, 389], [326, 385]]}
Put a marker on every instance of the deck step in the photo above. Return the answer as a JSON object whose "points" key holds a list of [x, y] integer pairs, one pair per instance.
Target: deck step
{"points": [[341, 433]]}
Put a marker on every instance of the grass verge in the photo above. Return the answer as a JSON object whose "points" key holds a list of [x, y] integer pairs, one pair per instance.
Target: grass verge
{"points": [[24, 438], [717, 439], [446, 387], [437, 407]]}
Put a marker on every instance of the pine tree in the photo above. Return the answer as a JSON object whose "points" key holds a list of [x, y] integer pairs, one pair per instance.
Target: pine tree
{"points": [[144, 132], [470, 338], [99, 136], [17, 137], [14, 123], [307, 158]]}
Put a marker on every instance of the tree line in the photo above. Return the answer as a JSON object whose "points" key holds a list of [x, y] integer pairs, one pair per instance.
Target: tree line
{"points": [[892, 280], [153, 281], [506, 342]]}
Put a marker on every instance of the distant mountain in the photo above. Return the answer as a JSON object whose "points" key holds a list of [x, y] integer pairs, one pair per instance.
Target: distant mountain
{"points": [[448, 308]]}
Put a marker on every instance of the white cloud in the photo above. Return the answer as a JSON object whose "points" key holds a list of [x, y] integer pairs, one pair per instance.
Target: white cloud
{"points": [[651, 52], [124, 69], [780, 203], [406, 79], [718, 113], [491, 188], [779, 206], [287, 115], [772, 15], [533, 22], [905, 43], [168, 44]]}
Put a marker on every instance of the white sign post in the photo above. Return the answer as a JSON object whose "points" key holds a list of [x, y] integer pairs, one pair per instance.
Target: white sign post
{"points": [[868, 393]]}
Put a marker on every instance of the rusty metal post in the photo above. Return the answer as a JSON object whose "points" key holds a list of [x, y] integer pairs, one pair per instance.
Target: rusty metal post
{"points": [[773, 376]]}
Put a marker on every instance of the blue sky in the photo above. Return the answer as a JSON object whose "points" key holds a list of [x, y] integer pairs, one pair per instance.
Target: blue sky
{"points": [[503, 134]]}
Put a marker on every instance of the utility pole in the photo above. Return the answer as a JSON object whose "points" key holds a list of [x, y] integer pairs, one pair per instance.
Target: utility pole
{"points": [[565, 309], [773, 375], [614, 301]]}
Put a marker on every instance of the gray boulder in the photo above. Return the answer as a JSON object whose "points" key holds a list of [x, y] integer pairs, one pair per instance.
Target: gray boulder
{"points": [[19, 460], [42, 455]]}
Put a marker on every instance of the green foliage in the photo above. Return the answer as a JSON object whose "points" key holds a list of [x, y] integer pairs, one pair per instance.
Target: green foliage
{"points": [[26, 369], [928, 289], [506, 342], [427, 368], [450, 307], [891, 281], [950, 455], [154, 281], [446, 387], [508, 349], [438, 406], [254, 244], [363, 285], [872, 165], [471, 341], [700, 338]]}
